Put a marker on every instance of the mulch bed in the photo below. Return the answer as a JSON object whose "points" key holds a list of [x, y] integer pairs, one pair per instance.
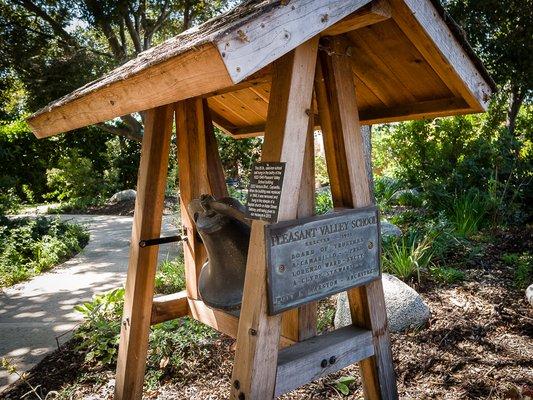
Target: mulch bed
{"points": [[478, 345]]}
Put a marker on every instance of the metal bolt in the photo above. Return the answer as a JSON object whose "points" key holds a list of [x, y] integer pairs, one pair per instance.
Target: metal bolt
{"points": [[332, 360], [324, 18], [370, 245], [324, 363], [252, 332], [281, 268], [241, 396], [236, 384], [223, 54], [238, 69]]}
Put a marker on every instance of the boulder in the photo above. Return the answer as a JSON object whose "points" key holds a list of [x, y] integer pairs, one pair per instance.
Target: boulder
{"points": [[128, 194], [389, 230], [405, 307], [529, 294]]}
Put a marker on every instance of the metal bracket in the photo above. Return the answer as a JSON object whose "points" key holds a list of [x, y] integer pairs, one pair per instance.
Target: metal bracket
{"points": [[163, 240]]}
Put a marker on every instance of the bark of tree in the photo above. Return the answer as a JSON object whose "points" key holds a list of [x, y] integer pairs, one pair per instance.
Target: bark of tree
{"points": [[516, 100]]}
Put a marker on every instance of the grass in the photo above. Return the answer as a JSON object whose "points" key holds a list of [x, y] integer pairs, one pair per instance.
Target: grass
{"points": [[466, 214], [29, 247], [170, 276], [406, 256]]}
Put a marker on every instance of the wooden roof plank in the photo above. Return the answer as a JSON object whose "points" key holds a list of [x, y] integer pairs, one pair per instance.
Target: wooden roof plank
{"points": [[248, 47], [423, 24]]}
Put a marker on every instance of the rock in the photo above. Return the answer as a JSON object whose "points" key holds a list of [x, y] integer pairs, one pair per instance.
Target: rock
{"points": [[405, 307], [389, 230], [128, 194], [529, 294]]}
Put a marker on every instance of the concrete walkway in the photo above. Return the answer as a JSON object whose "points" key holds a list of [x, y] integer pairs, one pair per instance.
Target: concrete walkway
{"points": [[34, 313]]}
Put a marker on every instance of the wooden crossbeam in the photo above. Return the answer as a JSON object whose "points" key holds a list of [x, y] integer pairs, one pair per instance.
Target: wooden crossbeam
{"points": [[142, 265], [321, 355]]}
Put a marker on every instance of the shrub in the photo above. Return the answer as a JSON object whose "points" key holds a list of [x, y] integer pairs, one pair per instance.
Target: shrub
{"points": [[384, 189], [466, 213], [406, 256], [74, 179], [31, 246], [9, 202], [323, 201]]}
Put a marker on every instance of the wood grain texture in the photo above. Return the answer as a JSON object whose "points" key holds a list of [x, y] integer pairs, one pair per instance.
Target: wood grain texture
{"points": [[168, 307], [376, 11], [350, 188], [422, 24], [278, 30], [192, 74], [302, 362], [300, 323], [142, 265], [200, 172], [285, 137]]}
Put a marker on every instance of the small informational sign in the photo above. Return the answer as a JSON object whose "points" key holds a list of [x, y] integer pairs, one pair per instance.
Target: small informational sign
{"points": [[313, 258], [264, 192]]}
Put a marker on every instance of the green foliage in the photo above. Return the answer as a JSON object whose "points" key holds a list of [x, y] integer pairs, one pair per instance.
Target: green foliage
{"points": [[325, 319], [170, 276], [9, 202], [321, 170], [343, 384], [31, 246], [323, 201], [523, 264], [384, 189], [100, 333], [405, 257], [466, 213], [238, 155], [449, 157], [448, 275], [169, 341]]}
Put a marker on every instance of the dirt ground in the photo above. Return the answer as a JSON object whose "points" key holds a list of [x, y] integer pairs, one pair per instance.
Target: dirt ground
{"points": [[478, 345]]}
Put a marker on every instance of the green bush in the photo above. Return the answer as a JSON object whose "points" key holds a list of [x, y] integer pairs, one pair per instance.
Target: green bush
{"points": [[169, 342], [466, 213], [31, 246], [323, 201], [74, 179], [9, 202], [405, 257]]}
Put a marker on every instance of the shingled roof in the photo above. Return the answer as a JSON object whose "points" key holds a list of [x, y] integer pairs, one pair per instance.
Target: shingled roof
{"points": [[409, 59]]}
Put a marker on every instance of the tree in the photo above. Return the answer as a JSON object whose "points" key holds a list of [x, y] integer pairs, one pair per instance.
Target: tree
{"points": [[55, 46], [501, 32]]}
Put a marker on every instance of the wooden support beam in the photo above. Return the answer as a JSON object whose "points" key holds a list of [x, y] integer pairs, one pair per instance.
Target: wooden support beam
{"points": [[285, 136], [300, 323], [349, 185], [376, 11], [200, 172], [151, 185], [168, 307], [304, 361]]}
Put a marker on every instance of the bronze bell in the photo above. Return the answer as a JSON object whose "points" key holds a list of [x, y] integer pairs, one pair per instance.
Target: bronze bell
{"points": [[225, 233]]}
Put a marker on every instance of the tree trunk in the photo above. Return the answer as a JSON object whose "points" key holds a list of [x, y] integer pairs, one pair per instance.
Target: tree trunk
{"points": [[517, 98]]}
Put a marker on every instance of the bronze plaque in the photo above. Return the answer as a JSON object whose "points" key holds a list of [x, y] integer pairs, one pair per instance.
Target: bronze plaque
{"points": [[264, 191], [313, 258]]}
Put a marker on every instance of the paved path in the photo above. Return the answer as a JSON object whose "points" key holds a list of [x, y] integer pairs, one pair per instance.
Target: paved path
{"points": [[34, 313]]}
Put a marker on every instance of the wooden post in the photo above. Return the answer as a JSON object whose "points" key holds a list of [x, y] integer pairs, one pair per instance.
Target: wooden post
{"points": [[300, 324], [349, 186], [200, 172], [254, 371], [151, 184]]}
